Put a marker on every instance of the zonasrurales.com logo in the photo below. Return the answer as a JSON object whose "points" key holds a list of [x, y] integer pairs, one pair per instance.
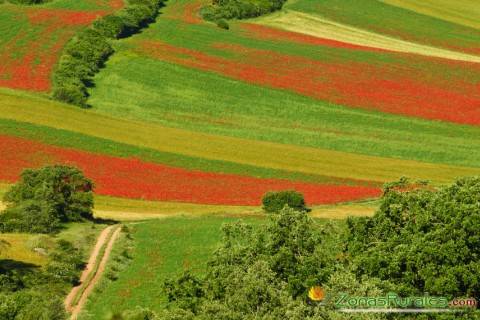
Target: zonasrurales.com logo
{"points": [[391, 303]]}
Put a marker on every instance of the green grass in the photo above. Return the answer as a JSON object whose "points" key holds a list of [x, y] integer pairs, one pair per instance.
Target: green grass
{"points": [[82, 235], [8, 29], [464, 12], [163, 248], [386, 19]]}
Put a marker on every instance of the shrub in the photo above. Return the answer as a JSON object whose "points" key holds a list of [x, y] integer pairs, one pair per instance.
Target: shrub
{"points": [[223, 24], [276, 201], [30, 216]]}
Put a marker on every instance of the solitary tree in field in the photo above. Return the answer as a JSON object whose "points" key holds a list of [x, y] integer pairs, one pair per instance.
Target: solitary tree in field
{"points": [[276, 201], [45, 198]]}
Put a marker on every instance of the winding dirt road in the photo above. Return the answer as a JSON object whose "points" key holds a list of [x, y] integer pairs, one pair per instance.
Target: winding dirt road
{"points": [[107, 237]]}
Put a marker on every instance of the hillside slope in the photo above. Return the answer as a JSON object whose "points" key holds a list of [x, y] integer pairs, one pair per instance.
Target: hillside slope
{"points": [[188, 112]]}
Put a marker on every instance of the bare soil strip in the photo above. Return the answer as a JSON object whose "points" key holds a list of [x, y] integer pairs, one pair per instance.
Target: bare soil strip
{"points": [[323, 28], [87, 273]]}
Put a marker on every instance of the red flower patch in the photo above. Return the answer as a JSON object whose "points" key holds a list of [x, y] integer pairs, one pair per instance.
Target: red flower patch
{"points": [[191, 13], [27, 60], [132, 178], [116, 4], [60, 18], [395, 88], [188, 13]]}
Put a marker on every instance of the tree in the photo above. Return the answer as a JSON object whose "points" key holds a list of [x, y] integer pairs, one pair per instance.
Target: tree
{"points": [[422, 239], [276, 201], [45, 198]]}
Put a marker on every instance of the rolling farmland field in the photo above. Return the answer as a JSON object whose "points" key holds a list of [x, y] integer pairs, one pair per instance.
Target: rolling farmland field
{"points": [[33, 37], [189, 123], [266, 105]]}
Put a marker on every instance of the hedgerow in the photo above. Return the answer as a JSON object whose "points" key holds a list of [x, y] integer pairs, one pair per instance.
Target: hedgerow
{"points": [[86, 53], [239, 9]]}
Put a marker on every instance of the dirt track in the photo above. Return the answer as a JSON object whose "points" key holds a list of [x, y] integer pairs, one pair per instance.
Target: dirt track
{"points": [[114, 231]]}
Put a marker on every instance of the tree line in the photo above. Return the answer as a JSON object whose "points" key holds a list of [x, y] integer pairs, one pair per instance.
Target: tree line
{"points": [[88, 51]]}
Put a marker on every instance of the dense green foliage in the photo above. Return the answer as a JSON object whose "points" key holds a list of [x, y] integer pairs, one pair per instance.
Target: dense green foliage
{"points": [[27, 293], [256, 273], [276, 201], [265, 273], [45, 198], [422, 240], [85, 54], [240, 9]]}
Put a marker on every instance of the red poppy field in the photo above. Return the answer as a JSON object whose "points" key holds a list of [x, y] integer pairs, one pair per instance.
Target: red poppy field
{"points": [[405, 89], [27, 59], [133, 178]]}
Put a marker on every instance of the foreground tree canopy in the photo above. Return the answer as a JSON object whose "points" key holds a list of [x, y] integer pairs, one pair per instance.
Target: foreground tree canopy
{"points": [[45, 198], [422, 240]]}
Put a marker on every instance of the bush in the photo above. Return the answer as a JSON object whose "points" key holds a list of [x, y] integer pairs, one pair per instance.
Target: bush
{"points": [[31, 216], [110, 26], [66, 262], [276, 201], [82, 58], [223, 24]]}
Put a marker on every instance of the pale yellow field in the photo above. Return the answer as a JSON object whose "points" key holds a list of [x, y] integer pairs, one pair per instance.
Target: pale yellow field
{"points": [[323, 28], [257, 153], [464, 12], [344, 210], [128, 209], [18, 249]]}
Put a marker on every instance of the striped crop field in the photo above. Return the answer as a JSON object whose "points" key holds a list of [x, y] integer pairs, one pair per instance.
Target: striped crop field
{"points": [[417, 79], [33, 37], [443, 23], [463, 12], [328, 97], [131, 178]]}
